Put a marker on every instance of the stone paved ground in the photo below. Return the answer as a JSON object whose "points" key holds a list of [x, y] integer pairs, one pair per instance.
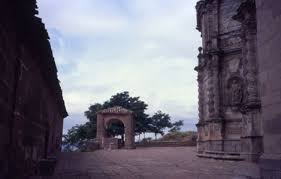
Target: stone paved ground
{"points": [[150, 163]]}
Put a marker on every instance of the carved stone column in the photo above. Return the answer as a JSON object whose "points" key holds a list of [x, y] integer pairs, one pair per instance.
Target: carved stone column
{"points": [[214, 94], [200, 124], [200, 85], [251, 137], [210, 128]]}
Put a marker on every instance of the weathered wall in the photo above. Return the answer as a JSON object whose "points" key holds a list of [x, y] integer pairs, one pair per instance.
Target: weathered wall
{"points": [[31, 104], [269, 58]]}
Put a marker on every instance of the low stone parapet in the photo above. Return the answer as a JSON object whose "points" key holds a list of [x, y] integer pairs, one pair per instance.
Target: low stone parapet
{"points": [[92, 145], [165, 144], [110, 143]]}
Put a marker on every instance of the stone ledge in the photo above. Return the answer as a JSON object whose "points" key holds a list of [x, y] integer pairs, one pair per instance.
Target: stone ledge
{"points": [[222, 153], [221, 157]]}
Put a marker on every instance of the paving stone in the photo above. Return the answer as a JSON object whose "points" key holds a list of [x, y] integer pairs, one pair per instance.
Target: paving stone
{"points": [[150, 163]]}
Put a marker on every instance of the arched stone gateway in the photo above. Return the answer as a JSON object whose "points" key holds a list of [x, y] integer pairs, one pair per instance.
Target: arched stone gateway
{"points": [[106, 116]]}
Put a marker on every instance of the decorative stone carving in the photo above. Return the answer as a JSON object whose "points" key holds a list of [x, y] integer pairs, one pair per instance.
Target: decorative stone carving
{"points": [[251, 133], [116, 110], [233, 65], [235, 88], [206, 130]]}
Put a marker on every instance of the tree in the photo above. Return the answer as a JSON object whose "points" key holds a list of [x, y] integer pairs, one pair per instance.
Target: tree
{"points": [[91, 114], [160, 121], [76, 135], [131, 103], [176, 126]]}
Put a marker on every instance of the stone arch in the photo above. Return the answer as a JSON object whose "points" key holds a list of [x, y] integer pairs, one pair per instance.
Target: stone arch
{"points": [[108, 124], [127, 117], [112, 120]]}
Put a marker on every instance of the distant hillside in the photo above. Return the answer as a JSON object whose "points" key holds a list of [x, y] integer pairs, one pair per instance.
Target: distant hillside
{"points": [[179, 136]]}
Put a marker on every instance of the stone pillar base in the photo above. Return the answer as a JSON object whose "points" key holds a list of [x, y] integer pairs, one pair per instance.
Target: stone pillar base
{"points": [[270, 166], [200, 147], [252, 148]]}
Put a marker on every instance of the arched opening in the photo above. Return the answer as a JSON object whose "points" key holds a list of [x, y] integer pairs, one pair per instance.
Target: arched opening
{"points": [[115, 128]]}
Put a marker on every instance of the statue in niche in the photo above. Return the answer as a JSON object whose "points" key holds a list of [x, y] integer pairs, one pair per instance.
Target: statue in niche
{"points": [[235, 92], [245, 125], [206, 130]]}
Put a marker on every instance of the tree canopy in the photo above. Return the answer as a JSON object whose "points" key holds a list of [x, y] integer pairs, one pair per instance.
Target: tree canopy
{"points": [[160, 121], [176, 126]]}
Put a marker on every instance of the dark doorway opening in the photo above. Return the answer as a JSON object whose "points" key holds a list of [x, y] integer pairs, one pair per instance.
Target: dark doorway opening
{"points": [[116, 129]]}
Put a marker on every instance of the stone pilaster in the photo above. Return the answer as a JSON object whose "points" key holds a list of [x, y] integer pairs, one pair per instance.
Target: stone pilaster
{"points": [[130, 133], [210, 128], [215, 114], [200, 76], [214, 74], [200, 134], [214, 94], [100, 128], [251, 137], [200, 85]]}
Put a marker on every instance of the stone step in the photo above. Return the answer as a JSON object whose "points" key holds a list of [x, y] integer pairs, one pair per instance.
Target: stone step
{"points": [[61, 177], [222, 153], [221, 157]]}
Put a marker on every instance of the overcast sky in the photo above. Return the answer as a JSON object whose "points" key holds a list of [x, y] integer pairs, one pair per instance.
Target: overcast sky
{"points": [[146, 47]]}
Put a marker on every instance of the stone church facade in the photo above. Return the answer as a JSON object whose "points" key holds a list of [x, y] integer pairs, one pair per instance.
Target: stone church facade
{"points": [[229, 100], [31, 104], [239, 82]]}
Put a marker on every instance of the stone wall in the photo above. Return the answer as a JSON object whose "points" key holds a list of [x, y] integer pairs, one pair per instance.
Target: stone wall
{"points": [[111, 143], [31, 104], [269, 58]]}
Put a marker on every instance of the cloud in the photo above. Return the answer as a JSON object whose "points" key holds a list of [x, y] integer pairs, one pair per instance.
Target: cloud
{"points": [[146, 47], [83, 17]]}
